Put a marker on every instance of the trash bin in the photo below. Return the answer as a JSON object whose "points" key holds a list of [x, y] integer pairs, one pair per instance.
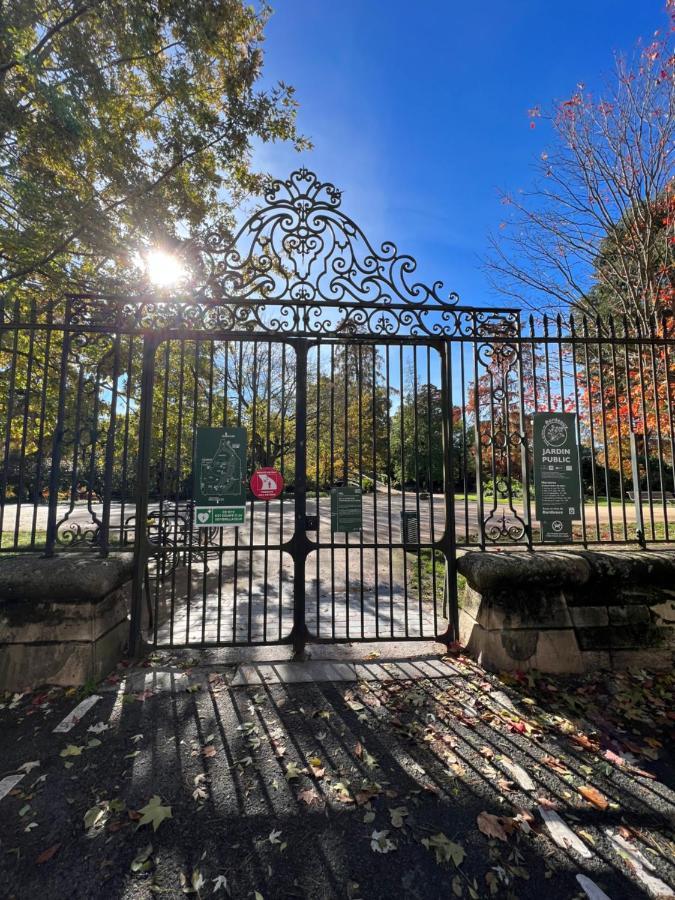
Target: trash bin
{"points": [[410, 528]]}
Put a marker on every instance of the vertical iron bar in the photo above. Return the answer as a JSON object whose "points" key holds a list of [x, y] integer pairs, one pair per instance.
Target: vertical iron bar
{"points": [[375, 538], [141, 544], [402, 439], [619, 434], [24, 424], [300, 543], [38, 492], [603, 419], [54, 475], [448, 541], [524, 447], [110, 449]]}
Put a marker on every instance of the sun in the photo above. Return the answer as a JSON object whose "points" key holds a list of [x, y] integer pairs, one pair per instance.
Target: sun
{"points": [[164, 269]]}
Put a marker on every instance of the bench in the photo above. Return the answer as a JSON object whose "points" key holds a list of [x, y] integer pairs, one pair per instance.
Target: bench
{"points": [[657, 496]]}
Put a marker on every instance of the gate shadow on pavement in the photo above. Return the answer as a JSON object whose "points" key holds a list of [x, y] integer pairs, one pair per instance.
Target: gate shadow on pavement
{"points": [[293, 789]]}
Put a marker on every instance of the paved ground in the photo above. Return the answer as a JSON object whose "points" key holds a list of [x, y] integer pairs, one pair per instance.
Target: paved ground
{"points": [[406, 775], [248, 596]]}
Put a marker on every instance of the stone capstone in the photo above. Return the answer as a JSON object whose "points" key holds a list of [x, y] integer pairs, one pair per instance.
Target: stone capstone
{"points": [[70, 578], [569, 611], [63, 620]]}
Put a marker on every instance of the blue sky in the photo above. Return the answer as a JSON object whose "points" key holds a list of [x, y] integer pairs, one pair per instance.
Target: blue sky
{"points": [[418, 109]]}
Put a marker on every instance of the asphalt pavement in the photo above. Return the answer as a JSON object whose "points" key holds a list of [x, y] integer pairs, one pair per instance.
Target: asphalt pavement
{"points": [[404, 775]]}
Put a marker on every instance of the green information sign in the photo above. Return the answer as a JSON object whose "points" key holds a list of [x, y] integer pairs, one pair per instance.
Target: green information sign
{"points": [[558, 529], [557, 484], [219, 488], [346, 509]]}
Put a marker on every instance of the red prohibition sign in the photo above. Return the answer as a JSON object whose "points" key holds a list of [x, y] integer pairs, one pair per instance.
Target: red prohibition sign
{"points": [[267, 483]]}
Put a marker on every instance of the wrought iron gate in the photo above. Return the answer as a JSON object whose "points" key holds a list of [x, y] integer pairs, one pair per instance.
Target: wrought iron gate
{"points": [[340, 370], [344, 371], [322, 411]]}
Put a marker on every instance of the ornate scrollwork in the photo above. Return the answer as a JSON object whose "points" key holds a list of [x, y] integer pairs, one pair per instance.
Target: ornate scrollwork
{"points": [[501, 437], [298, 266], [301, 247]]}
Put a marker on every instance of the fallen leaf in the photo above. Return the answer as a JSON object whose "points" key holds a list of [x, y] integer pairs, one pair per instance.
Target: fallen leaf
{"points": [[71, 750], [142, 862], [380, 842], [594, 796], [209, 751], [98, 728], [445, 849], [492, 826], [398, 815], [555, 764], [582, 740], [154, 813], [47, 854], [292, 771], [310, 797], [96, 816]]}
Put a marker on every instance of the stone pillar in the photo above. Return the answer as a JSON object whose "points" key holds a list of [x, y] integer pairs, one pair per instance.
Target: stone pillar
{"points": [[569, 611], [63, 620]]}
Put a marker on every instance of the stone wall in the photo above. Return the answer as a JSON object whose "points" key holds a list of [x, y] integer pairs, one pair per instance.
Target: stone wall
{"points": [[569, 611], [62, 620]]}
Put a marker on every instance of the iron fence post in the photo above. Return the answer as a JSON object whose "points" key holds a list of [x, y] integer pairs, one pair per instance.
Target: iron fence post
{"points": [[449, 541], [300, 545], [524, 446], [637, 490], [58, 438], [141, 548]]}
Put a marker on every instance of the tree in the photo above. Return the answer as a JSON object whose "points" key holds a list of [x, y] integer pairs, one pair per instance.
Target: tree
{"points": [[348, 413], [123, 123], [417, 442], [611, 295], [596, 232]]}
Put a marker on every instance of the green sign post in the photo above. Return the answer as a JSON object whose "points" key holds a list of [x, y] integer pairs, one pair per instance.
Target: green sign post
{"points": [[218, 477], [346, 509], [557, 484]]}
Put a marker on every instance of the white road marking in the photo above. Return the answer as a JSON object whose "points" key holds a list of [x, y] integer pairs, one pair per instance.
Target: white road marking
{"points": [[518, 774], [639, 865], [562, 834], [8, 783], [76, 714], [591, 889]]}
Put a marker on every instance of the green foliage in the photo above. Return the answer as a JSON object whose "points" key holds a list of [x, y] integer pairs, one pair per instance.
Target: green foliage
{"points": [[502, 489], [417, 441], [124, 123]]}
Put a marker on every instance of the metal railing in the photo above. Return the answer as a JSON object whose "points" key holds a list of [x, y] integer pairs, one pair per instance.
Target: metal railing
{"points": [[69, 417]]}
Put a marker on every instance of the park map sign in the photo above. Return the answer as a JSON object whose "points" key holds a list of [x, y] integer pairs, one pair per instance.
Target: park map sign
{"points": [[219, 489], [557, 484]]}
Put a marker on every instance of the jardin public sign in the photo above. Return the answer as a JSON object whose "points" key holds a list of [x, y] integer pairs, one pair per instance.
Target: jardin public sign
{"points": [[219, 489], [557, 484]]}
